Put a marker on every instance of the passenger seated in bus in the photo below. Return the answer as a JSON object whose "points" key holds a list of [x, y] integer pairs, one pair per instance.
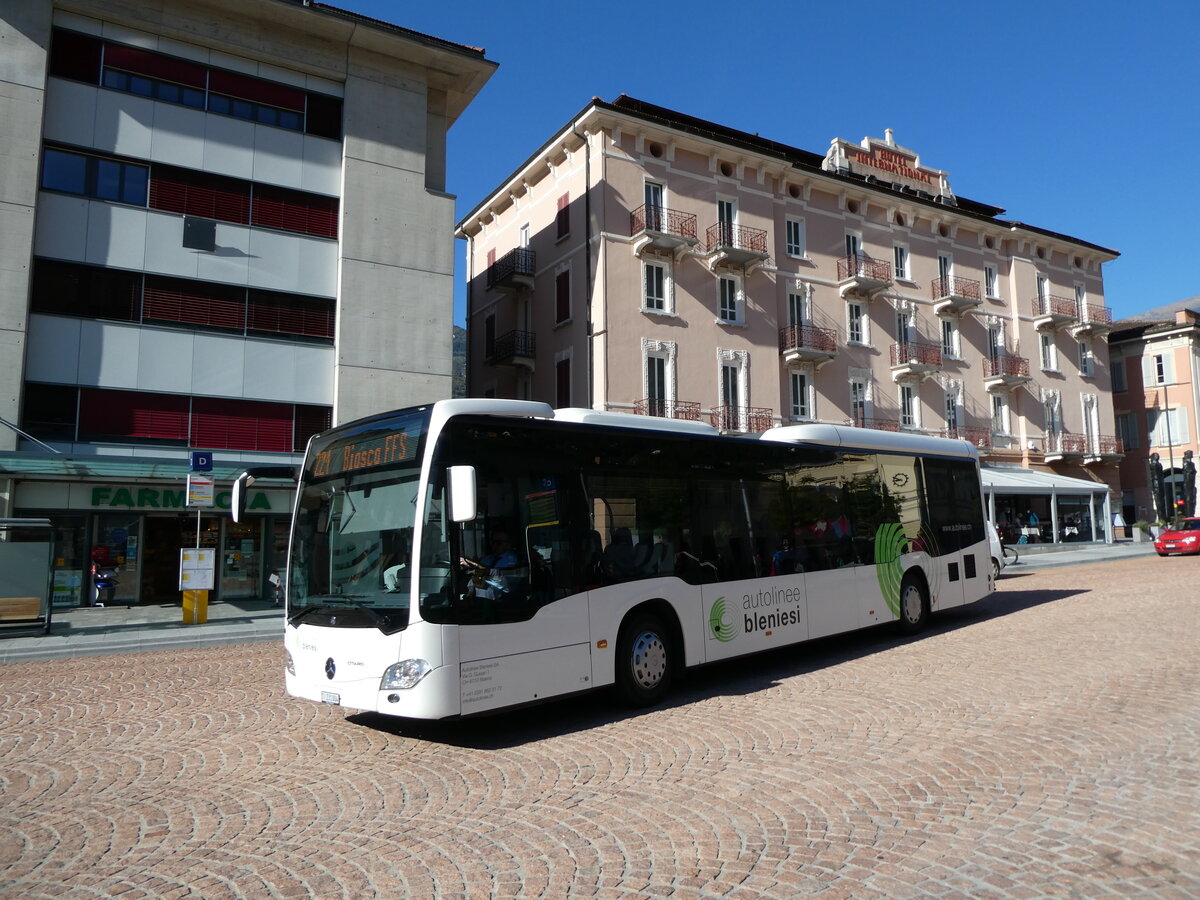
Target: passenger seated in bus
{"points": [[619, 562], [643, 552], [662, 560]]}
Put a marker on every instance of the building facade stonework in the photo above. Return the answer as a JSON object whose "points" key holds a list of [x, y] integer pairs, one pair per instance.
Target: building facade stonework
{"points": [[649, 262]]}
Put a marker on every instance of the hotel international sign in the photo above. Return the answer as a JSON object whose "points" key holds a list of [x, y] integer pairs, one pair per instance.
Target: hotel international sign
{"points": [[886, 161]]}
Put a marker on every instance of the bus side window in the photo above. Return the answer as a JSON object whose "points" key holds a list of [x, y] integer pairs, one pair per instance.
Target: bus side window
{"points": [[863, 503], [637, 520]]}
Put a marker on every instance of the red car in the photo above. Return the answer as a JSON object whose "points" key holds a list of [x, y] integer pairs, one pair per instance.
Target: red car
{"points": [[1182, 537]]}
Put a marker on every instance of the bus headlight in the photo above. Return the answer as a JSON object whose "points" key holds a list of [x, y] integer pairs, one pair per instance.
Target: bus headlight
{"points": [[290, 664], [404, 675]]}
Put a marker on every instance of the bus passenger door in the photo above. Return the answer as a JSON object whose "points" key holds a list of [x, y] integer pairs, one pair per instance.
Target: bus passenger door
{"points": [[523, 633], [953, 513]]}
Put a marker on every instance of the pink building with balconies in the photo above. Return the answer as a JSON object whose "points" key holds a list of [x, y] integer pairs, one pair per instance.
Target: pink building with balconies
{"points": [[1156, 398], [646, 261]]}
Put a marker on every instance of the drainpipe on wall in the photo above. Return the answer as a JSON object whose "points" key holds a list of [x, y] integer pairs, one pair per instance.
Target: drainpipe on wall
{"points": [[587, 264]]}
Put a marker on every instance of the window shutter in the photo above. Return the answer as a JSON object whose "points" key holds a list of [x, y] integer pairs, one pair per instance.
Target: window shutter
{"points": [[196, 303], [563, 219], [200, 194], [246, 87], [242, 425], [287, 210], [154, 65], [277, 313]]}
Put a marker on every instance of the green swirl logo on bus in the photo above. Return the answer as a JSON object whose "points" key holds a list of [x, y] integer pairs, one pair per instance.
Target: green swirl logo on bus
{"points": [[890, 541], [721, 629]]}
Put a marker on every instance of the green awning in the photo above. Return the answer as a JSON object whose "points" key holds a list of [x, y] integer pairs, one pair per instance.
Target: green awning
{"points": [[107, 468]]}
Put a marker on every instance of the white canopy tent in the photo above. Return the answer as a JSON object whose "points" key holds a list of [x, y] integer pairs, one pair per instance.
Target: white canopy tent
{"points": [[1014, 480]]}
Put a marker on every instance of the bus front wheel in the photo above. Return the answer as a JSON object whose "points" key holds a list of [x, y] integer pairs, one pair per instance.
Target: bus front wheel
{"points": [[645, 656], [914, 605]]}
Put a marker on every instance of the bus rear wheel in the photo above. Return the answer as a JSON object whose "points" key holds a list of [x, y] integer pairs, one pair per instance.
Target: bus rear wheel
{"points": [[645, 657], [914, 605]]}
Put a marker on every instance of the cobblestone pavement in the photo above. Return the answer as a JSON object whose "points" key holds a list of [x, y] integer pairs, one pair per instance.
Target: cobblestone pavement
{"points": [[1041, 744]]}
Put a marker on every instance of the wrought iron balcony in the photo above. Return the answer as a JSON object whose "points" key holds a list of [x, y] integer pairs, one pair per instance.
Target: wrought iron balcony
{"points": [[1094, 319], [516, 348], [807, 343], [1105, 448], [736, 245], [668, 409], [920, 358], [1054, 312], [1004, 371], [980, 437], [862, 275], [954, 295], [1065, 445], [662, 229], [513, 271], [747, 419], [876, 423]]}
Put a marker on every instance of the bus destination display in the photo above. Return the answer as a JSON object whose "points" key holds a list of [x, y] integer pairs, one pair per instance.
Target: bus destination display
{"points": [[367, 452]]}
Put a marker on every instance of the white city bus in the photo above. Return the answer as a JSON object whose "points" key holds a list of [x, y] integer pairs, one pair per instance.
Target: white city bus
{"points": [[470, 555]]}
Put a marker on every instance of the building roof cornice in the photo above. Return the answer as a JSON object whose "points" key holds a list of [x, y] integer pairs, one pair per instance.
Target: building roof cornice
{"points": [[632, 114]]}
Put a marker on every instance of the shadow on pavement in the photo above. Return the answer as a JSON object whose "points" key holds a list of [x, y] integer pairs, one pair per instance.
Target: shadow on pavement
{"points": [[747, 675]]}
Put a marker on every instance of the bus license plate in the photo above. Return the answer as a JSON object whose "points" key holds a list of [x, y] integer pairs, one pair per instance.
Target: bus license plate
{"points": [[327, 697]]}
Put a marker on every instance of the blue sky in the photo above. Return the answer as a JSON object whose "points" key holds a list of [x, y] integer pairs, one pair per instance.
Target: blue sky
{"points": [[1082, 118]]}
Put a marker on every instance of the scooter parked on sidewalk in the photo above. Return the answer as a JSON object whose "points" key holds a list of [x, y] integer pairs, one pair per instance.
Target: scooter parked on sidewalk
{"points": [[104, 583], [104, 577]]}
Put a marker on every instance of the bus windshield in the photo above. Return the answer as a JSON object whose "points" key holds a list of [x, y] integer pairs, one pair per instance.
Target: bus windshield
{"points": [[351, 555], [352, 550]]}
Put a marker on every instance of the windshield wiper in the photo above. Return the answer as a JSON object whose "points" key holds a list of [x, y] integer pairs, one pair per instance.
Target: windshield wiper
{"points": [[324, 602], [337, 599], [300, 614], [343, 601]]}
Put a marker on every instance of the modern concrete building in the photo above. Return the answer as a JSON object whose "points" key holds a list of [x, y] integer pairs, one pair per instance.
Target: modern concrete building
{"points": [[647, 261], [1156, 398], [224, 227]]}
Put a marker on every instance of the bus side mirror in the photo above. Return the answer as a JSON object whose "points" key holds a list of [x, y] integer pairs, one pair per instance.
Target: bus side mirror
{"points": [[461, 480], [241, 485]]}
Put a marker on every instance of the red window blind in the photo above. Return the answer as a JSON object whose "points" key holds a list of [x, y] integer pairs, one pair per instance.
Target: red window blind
{"points": [[154, 65], [132, 414], [224, 424], [275, 313], [276, 207], [247, 87], [194, 302], [199, 194]]}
